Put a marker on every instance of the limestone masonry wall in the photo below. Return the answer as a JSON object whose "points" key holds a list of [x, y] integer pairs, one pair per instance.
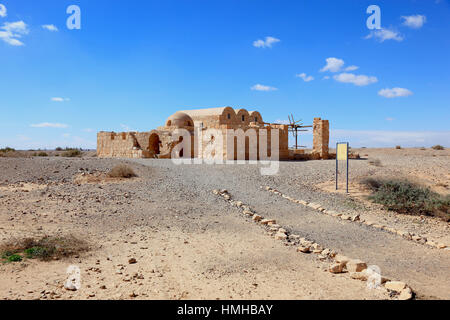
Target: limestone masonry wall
{"points": [[161, 142]]}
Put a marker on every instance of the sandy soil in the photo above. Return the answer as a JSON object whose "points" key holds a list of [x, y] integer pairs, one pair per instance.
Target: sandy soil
{"points": [[190, 245]]}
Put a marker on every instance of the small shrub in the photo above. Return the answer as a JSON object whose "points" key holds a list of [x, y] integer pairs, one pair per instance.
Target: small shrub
{"points": [[375, 162], [43, 249], [58, 149], [7, 149], [398, 147], [42, 154], [438, 147], [14, 258], [408, 198], [122, 171], [72, 153]]}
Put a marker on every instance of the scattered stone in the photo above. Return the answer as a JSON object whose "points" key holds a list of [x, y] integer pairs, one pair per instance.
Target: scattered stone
{"points": [[303, 249], [356, 265], [248, 212], [363, 276], [257, 218], [396, 286], [337, 268], [267, 221], [314, 205], [239, 203], [341, 258], [356, 218], [132, 261], [345, 217], [406, 294], [216, 191], [280, 236]]}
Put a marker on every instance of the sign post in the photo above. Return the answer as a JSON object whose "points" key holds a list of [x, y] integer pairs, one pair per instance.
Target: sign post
{"points": [[341, 154]]}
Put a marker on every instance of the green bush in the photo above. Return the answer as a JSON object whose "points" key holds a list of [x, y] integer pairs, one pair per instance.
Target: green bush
{"points": [[438, 147], [39, 252], [408, 198]]}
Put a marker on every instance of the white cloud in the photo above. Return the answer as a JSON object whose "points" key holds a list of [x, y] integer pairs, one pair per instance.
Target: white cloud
{"points": [[59, 99], [49, 125], [384, 34], [261, 87], [394, 92], [351, 68], [357, 80], [379, 138], [10, 32], [267, 43], [326, 77], [2, 11], [333, 65], [305, 77], [50, 27], [415, 21], [390, 119]]}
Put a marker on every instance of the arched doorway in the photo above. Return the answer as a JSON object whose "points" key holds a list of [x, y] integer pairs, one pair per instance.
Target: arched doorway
{"points": [[154, 144]]}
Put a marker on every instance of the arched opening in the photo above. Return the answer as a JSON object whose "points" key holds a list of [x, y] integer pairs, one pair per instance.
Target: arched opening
{"points": [[154, 144]]}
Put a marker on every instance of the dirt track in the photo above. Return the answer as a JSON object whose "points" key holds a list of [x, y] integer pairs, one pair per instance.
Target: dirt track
{"points": [[190, 244]]}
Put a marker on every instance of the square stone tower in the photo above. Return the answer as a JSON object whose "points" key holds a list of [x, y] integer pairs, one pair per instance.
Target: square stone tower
{"points": [[321, 133]]}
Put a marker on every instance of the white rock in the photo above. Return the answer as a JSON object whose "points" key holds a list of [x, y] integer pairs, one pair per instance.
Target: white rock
{"points": [[397, 286], [406, 294], [356, 265], [280, 236]]}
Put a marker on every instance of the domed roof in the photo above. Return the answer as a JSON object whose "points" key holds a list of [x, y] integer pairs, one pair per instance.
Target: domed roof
{"points": [[179, 119]]}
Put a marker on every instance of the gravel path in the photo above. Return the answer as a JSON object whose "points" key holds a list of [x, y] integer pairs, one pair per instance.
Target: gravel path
{"points": [[424, 269]]}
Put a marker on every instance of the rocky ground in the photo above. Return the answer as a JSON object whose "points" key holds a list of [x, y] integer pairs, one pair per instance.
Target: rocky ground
{"points": [[165, 235]]}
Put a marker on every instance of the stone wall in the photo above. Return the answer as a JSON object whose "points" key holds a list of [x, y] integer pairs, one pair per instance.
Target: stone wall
{"points": [[159, 143], [321, 138]]}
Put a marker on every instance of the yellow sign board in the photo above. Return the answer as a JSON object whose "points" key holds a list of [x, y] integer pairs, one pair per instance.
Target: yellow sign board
{"points": [[342, 151]]}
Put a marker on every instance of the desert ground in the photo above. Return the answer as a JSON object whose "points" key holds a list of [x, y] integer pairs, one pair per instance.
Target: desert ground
{"points": [[165, 235]]}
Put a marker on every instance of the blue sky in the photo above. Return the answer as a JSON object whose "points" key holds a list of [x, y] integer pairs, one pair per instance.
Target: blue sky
{"points": [[134, 63]]}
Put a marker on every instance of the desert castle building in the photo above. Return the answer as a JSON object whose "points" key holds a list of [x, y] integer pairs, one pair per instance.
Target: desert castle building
{"points": [[233, 134]]}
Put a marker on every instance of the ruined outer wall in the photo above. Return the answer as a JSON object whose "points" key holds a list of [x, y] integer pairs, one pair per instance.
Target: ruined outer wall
{"points": [[118, 145], [321, 139]]}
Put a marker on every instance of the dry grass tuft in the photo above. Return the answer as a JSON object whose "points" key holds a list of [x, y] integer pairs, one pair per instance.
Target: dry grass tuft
{"points": [[122, 171], [45, 249], [375, 162]]}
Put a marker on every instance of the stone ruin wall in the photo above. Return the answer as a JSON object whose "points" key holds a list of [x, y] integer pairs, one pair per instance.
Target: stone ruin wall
{"points": [[158, 143]]}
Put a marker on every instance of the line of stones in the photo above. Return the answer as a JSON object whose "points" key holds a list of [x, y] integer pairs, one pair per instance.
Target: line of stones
{"points": [[358, 219], [340, 264]]}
